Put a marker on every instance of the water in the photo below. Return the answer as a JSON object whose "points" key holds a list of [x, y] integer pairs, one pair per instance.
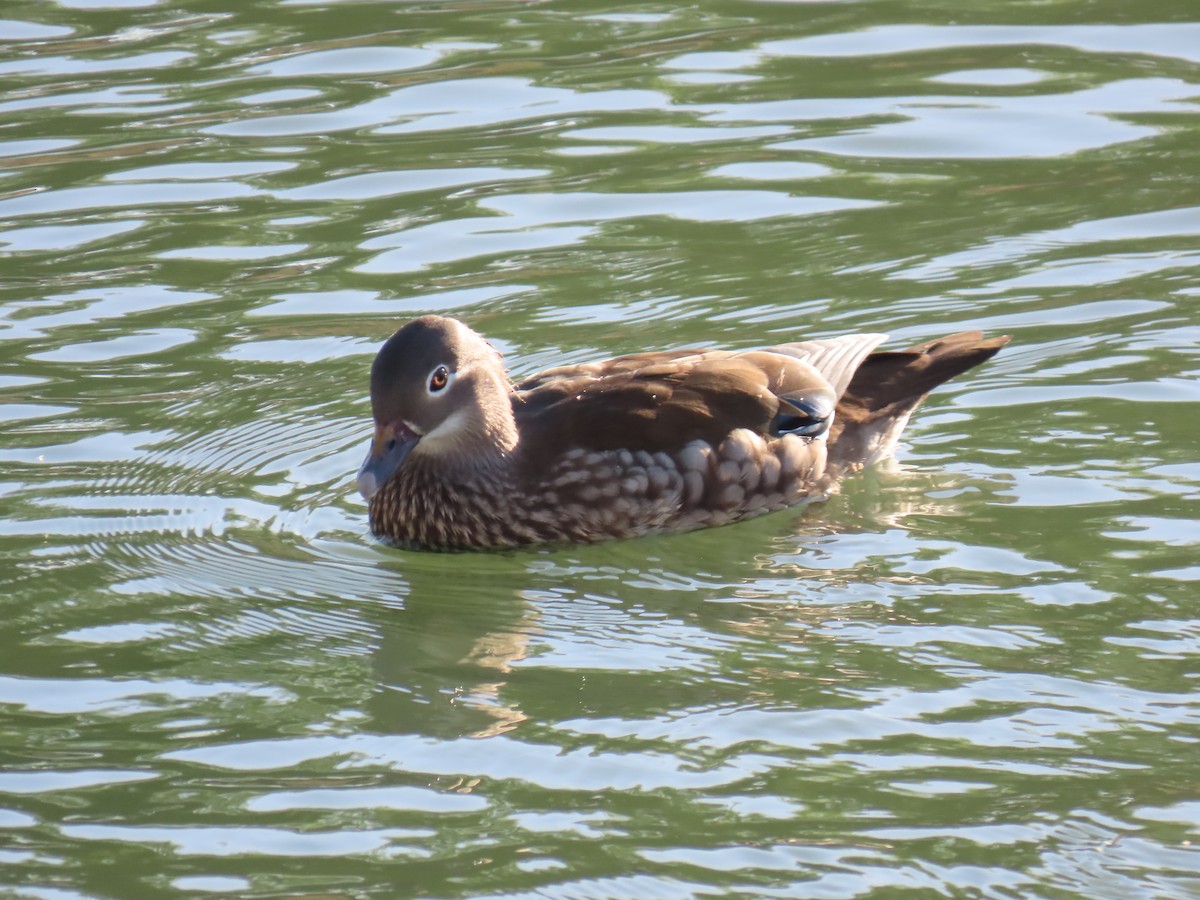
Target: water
{"points": [[973, 673]]}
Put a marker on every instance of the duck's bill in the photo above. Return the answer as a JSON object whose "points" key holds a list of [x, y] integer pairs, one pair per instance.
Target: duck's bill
{"points": [[388, 450]]}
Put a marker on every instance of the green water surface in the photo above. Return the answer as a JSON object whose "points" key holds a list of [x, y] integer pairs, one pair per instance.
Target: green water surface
{"points": [[973, 673]]}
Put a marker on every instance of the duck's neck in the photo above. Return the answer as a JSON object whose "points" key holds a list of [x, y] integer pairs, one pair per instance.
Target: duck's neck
{"points": [[460, 490]]}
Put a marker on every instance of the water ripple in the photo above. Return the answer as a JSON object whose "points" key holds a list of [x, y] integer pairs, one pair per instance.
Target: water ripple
{"points": [[969, 672]]}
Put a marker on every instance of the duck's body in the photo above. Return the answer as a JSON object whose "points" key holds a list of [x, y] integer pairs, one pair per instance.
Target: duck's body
{"points": [[653, 442]]}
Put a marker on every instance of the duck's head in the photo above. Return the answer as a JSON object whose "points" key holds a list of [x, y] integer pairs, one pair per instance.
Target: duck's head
{"points": [[438, 391]]}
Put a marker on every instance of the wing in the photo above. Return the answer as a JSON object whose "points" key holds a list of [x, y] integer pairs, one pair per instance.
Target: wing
{"points": [[662, 401]]}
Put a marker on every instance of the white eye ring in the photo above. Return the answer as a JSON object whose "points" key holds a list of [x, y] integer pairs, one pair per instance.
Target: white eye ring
{"points": [[439, 379]]}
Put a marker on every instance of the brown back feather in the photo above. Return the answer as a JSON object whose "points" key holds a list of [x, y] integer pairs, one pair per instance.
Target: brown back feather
{"points": [[653, 401], [660, 401], [638, 404]]}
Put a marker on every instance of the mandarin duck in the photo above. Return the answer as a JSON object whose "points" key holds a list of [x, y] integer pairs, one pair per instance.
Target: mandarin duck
{"points": [[654, 442]]}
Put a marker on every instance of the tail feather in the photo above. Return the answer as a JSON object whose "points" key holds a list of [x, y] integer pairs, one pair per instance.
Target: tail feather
{"points": [[889, 385]]}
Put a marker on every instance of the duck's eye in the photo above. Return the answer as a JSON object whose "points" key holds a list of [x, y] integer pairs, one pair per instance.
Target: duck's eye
{"points": [[439, 379]]}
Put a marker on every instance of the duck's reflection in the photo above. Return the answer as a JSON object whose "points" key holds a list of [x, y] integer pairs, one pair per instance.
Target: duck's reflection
{"points": [[445, 654]]}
